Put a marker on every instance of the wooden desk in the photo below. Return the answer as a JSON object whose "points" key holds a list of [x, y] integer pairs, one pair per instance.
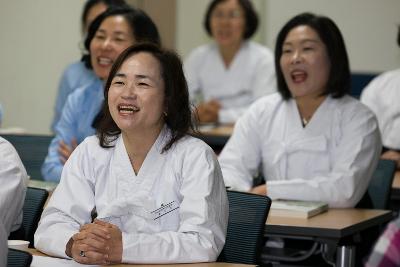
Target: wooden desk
{"points": [[333, 228], [396, 180], [215, 136], [208, 264]]}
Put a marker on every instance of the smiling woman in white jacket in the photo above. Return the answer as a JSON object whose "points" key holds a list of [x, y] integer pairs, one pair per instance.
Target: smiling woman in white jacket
{"points": [[311, 141], [158, 193]]}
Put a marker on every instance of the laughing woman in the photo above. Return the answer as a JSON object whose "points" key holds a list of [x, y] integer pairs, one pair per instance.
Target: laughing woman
{"points": [[158, 193], [311, 141], [110, 33]]}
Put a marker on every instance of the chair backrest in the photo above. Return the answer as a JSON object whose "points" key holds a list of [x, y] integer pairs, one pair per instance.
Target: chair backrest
{"points": [[380, 186], [18, 258], [247, 217], [32, 149], [359, 81], [33, 207]]}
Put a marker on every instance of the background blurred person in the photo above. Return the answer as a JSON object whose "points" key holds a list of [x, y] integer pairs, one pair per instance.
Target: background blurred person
{"points": [[381, 95], [109, 34], [311, 141], [77, 74], [227, 75]]}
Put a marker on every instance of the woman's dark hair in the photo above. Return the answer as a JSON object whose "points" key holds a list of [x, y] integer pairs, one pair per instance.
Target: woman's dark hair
{"points": [[179, 114], [251, 17], [91, 3], [339, 76], [143, 28]]}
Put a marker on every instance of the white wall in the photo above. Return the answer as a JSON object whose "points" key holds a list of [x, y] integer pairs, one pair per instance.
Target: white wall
{"points": [[38, 39], [189, 25], [369, 27]]}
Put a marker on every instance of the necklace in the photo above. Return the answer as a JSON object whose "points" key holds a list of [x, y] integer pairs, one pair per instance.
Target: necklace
{"points": [[304, 121]]}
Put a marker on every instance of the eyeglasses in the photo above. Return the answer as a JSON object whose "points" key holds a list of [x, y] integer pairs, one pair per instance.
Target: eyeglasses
{"points": [[231, 15]]}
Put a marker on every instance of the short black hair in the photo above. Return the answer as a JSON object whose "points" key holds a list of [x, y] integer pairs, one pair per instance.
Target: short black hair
{"points": [[143, 28], [338, 83], [179, 114], [251, 17], [90, 3]]}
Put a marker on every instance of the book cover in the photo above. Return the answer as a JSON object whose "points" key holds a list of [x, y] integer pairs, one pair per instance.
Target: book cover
{"points": [[297, 209]]}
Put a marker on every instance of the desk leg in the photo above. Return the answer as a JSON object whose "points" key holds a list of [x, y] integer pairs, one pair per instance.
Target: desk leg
{"points": [[346, 256]]}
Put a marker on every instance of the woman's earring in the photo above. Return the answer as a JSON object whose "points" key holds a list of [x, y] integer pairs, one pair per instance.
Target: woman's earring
{"points": [[165, 114]]}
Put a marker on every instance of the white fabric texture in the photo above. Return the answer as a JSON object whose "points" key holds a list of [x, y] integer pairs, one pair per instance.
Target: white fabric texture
{"points": [[382, 96], [331, 159], [13, 180], [250, 76], [186, 177]]}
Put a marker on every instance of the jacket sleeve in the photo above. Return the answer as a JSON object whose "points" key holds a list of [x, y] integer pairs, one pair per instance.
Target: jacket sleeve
{"points": [[13, 181], [203, 216], [64, 89], [241, 157], [65, 130], [372, 97], [69, 208], [191, 67]]}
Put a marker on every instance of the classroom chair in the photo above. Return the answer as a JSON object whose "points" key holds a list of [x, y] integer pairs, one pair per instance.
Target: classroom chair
{"points": [[380, 186], [18, 258], [359, 80], [32, 149], [33, 207], [247, 216]]}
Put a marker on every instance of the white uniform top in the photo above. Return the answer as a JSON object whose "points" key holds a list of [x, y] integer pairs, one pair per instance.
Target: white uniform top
{"points": [[382, 95], [331, 159], [3, 247], [174, 210], [13, 183], [250, 76]]}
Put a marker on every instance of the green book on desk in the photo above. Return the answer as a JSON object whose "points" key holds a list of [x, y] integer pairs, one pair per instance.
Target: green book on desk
{"points": [[296, 209]]}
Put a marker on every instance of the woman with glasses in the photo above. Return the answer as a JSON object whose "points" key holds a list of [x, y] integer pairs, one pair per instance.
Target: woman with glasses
{"points": [[228, 74]]}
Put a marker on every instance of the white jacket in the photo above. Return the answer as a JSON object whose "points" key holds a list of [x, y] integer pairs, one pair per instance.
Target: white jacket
{"points": [[174, 210], [13, 183], [250, 76], [382, 95], [331, 159]]}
